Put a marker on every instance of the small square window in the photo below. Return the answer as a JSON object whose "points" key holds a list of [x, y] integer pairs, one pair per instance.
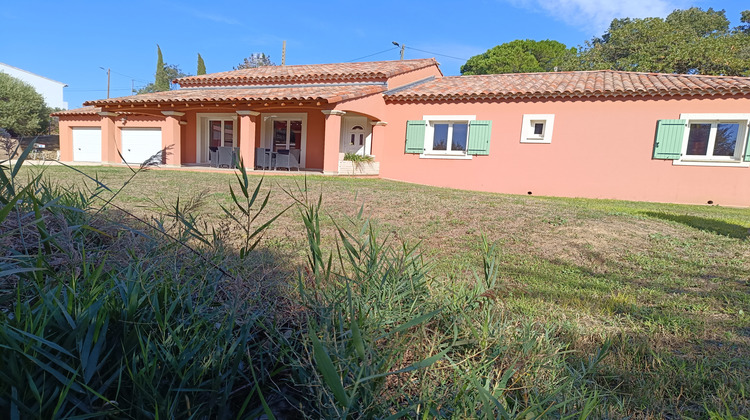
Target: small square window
{"points": [[537, 128]]}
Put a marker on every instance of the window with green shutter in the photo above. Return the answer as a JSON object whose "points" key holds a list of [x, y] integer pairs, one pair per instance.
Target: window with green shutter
{"points": [[415, 131], [704, 139], [448, 137], [668, 141], [479, 137]]}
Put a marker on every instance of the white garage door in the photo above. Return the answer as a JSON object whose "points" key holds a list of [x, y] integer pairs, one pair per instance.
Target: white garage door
{"points": [[87, 144], [141, 144]]}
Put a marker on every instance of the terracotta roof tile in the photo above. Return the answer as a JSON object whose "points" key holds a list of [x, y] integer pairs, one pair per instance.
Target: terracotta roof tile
{"points": [[328, 93], [86, 110], [313, 73], [570, 84]]}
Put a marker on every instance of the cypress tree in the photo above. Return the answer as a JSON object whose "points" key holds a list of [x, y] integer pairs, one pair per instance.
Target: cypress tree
{"points": [[201, 66], [161, 80]]}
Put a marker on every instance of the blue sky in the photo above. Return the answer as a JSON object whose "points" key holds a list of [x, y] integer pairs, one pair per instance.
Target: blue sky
{"points": [[69, 41]]}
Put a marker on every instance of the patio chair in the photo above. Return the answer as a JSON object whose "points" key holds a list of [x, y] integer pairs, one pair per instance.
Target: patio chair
{"points": [[213, 157], [284, 159], [262, 158], [226, 157], [270, 159], [295, 153]]}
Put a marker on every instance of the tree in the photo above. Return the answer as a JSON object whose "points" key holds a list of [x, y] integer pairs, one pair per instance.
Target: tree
{"points": [[161, 81], [691, 41], [745, 19], [520, 56], [255, 60], [22, 109], [201, 66], [171, 72]]}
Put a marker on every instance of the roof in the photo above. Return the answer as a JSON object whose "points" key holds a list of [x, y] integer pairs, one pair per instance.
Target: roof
{"points": [[598, 83], [28, 72], [86, 110], [328, 93], [313, 73]]}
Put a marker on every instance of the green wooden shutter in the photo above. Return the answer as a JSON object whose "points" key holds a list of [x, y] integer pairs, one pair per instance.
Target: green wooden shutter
{"points": [[747, 146], [479, 137], [415, 136], [668, 142]]}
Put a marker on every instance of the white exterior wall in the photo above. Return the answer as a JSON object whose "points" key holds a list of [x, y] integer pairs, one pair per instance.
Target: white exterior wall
{"points": [[51, 90]]}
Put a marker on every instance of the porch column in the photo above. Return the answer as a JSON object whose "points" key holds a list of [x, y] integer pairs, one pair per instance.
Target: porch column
{"points": [[377, 141], [247, 137], [66, 141], [109, 144], [170, 138], [332, 140]]}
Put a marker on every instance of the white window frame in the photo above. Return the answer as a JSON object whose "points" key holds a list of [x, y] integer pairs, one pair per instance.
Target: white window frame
{"points": [[203, 130], [527, 128], [429, 135], [709, 159], [266, 129]]}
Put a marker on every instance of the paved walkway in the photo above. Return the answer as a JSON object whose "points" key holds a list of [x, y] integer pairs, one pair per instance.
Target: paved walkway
{"points": [[187, 168]]}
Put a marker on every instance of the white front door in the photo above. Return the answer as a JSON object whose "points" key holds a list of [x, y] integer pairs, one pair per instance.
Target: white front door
{"points": [[87, 144], [141, 144], [354, 135]]}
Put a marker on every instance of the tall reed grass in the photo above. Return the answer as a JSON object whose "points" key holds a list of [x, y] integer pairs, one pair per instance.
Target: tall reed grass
{"points": [[107, 315]]}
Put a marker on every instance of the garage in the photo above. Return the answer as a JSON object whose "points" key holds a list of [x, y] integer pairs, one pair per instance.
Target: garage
{"points": [[141, 144], [87, 144]]}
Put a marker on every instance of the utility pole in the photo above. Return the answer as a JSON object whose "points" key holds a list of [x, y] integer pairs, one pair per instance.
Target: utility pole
{"points": [[108, 74], [402, 48]]}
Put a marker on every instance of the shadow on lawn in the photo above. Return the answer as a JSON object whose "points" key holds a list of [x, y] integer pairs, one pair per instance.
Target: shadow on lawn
{"points": [[707, 225], [656, 348]]}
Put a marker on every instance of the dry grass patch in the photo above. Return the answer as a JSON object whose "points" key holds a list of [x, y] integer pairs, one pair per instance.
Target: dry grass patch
{"points": [[666, 284]]}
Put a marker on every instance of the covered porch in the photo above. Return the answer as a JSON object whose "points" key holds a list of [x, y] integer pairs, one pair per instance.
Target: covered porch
{"points": [[306, 128]]}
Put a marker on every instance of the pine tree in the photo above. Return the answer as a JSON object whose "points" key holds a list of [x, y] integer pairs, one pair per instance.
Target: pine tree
{"points": [[161, 80], [201, 66]]}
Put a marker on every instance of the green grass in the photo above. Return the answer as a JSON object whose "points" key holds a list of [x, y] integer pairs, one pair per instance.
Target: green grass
{"points": [[636, 309]]}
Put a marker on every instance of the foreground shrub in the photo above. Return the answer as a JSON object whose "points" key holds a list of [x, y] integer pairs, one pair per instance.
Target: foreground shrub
{"points": [[85, 335], [104, 315]]}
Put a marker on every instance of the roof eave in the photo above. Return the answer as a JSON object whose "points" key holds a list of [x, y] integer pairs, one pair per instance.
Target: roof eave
{"points": [[561, 95]]}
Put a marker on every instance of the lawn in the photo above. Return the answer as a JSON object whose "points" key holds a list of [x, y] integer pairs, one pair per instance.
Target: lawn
{"points": [[664, 289]]}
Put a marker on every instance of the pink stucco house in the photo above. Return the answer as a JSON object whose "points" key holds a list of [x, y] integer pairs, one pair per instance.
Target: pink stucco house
{"points": [[598, 134]]}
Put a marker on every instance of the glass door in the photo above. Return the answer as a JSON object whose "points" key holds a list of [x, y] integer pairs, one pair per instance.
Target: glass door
{"points": [[286, 135], [220, 133]]}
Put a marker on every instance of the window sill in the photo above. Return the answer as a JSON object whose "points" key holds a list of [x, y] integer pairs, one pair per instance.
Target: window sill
{"points": [[445, 156], [539, 141], [731, 164]]}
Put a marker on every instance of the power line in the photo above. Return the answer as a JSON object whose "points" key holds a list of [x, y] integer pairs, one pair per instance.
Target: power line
{"points": [[442, 55], [129, 77], [380, 52], [91, 90]]}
